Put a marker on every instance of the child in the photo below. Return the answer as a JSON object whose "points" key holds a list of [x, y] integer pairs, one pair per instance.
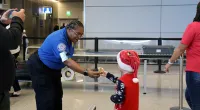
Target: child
{"points": [[127, 90]]}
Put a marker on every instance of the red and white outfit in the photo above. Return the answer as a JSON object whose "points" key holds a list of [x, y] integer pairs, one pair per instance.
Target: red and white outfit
{"points": [[127, 90]]}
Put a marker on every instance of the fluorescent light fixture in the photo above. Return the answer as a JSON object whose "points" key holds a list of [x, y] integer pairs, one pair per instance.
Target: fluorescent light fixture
{"points": [[128, 42], [54, 0], [81, 80]]}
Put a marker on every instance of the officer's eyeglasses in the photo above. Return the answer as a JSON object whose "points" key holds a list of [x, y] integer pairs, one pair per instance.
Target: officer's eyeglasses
{"points": [[77, 34]]}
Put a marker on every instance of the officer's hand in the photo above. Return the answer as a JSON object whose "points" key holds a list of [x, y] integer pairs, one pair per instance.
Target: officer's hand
{"points": [[4, 18], [20, 14], [93, 74]]}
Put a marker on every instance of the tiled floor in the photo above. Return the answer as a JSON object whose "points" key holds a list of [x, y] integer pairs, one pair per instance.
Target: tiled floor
{"points": [[162, 92]]}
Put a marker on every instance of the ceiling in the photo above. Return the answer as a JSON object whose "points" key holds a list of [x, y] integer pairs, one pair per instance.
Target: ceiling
{"points": [[70, 0]]}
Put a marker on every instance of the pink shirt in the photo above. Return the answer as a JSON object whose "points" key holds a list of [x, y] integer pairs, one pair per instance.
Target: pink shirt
{"points": [[191, 38]]}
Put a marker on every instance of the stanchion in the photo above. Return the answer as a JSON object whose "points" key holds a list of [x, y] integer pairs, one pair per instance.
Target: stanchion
{"points": [[180, 107], [159, 61], [96, 48], [145, 77], [24, 47]]}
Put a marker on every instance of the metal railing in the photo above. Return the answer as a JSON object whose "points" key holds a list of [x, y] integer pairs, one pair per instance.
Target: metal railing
{"points": [[96, 45], [180, 106]]}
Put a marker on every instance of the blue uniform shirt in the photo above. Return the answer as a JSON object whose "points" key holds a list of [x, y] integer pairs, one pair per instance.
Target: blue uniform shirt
{"points": [[54, 44]]}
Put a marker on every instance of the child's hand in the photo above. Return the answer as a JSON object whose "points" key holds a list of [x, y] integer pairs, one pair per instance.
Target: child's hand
{"points": [[101, 70], [104, 74]]}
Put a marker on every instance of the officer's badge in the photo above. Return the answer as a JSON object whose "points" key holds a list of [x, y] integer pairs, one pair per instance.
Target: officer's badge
{"points": [[61, 47]]}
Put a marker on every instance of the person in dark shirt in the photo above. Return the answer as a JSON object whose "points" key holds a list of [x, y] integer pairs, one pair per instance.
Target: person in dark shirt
{"points": [[16, 86], [62, 26], [9, 39], [56, 27]]}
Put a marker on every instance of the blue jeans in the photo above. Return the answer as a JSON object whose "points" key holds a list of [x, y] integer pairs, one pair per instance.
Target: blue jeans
{"points": [[192, 93]]}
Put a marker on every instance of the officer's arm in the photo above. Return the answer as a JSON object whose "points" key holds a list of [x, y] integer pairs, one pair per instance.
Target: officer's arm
{"points": [[62, 51], [74, 66], [11, 38]]}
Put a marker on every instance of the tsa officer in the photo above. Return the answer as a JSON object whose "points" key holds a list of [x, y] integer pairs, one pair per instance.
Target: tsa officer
{"points": [[45, 65]]}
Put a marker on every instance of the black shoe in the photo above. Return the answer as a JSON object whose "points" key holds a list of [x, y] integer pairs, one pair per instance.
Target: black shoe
{"points": [[14, 95]]}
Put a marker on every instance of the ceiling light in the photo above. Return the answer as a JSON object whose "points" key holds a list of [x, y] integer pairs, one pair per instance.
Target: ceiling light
{"points": [[54, 0]]}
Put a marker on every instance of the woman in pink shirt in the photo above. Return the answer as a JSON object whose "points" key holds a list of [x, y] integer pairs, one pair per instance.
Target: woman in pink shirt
{"points": [[191, 43]]}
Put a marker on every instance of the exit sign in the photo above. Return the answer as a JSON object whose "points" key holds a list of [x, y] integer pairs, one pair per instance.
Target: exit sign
{"points": [[68, 13]]}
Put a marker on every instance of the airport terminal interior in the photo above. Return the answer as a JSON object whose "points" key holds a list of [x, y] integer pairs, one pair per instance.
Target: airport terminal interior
{"points": [[153, 28]]}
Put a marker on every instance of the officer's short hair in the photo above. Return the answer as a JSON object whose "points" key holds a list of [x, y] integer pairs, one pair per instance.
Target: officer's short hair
{"points": [[74, 24]]}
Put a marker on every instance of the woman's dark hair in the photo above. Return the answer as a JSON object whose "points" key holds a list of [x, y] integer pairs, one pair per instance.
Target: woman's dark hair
{"points": [[197, 17], [74, 24]]}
